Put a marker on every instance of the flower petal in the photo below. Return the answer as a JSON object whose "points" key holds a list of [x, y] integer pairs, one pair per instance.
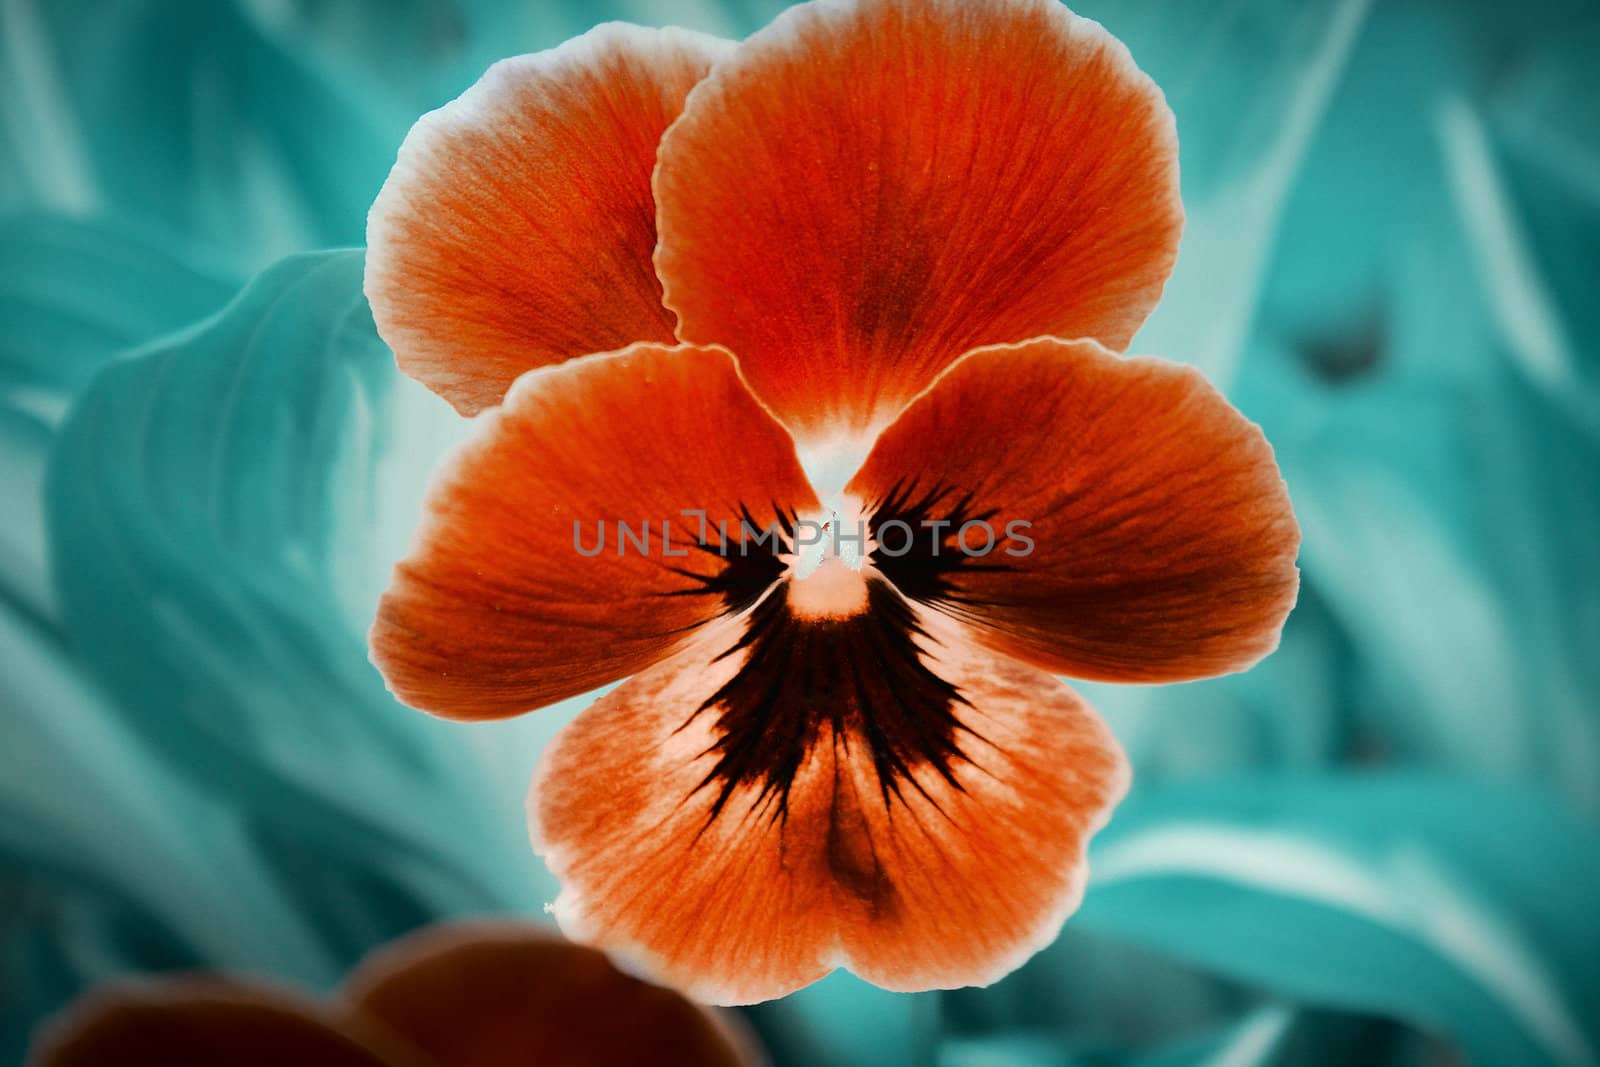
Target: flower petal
{"points": [[1161, 544], [516, 228], [201, 1022], [865, 191], [499, 608], [508, 994], [791, 794]]}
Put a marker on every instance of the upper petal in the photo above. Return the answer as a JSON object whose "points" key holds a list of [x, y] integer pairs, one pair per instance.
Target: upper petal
{"points": [[203, 1022], [1157, 544], [517, 225], [794, 793], [503, 994], [504, 606], [866, 190]]}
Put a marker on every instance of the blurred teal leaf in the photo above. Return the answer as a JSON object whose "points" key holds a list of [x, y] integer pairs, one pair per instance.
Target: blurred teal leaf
{"points": [[198, 766], [1255, 1040], [107, 861], [1545, 146], [1429, 382], [1460, 908], [256, 128], [1442, 526], [73, 295], [416, 54], [844, 1022], [189, 118], [213, 505], [110, 860], [24, 567], [1249, 83], [1436, 434], [1374, 190]]}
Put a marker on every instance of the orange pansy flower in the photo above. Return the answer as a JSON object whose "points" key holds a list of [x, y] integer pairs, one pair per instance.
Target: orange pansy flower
{"points": [[856, 287]]}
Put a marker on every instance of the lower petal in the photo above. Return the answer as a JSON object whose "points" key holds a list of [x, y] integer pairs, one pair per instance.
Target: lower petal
{"points": [[872, 792]]}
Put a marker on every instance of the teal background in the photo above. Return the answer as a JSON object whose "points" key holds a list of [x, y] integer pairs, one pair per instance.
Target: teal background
{"points": [[1380, 846]]}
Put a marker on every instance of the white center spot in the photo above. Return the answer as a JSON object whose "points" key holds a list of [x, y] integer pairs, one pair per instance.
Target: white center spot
{"points": [[826, 579]]}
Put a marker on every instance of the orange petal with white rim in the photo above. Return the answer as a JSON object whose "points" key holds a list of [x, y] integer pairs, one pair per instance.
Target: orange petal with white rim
{"points": [[1141, 529], [516, 228], [506, 995], [800, 791], [524, 587], [866, 190], [204, 1022]]}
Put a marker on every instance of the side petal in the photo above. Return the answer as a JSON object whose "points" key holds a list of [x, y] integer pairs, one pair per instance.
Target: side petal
{"points": [[508, 994], [1141, 530], [790, 795], [522, 589], [516, 228], [866, 190], [202, 1022]]}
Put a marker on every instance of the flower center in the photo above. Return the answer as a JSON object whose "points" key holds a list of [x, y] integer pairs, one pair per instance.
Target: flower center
{"points": [[826, 578], [834, 590]]}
